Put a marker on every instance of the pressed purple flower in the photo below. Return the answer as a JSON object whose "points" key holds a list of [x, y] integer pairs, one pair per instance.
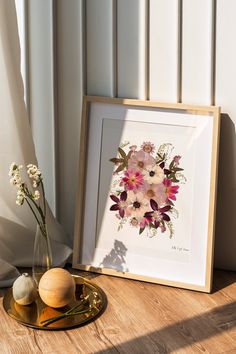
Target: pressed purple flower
{"points": [[158, 214], [120, 203]]}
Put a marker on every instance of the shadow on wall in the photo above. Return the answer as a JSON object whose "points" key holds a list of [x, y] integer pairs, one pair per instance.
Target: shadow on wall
{"points": [[17, 245], [225, 242], [190, 332]]}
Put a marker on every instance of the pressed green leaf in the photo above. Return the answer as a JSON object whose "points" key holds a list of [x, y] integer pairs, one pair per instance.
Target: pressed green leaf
{"points": [[122, 153], [141, 230], [175, 180], [129, 154], [170, 202], [176, 169], [171, 165], [120, 168], [152, 225], [115, 160]]}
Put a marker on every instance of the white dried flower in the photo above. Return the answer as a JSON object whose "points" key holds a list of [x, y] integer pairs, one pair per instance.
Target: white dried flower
{"points": [[36, 195], [25, 193], [12, 181], [20, 197], [33, 172], [35, 184], [12, 169], [14, 172]]}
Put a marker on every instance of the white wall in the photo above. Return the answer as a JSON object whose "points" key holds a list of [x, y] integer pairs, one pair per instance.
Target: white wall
{"points": [[167, 50]]}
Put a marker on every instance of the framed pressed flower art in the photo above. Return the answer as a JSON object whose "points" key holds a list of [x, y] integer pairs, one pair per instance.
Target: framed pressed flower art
{"points": [[146, 191]]}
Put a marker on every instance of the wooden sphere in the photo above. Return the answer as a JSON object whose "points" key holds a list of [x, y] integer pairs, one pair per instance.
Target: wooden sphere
{"points": [[57, 287]]}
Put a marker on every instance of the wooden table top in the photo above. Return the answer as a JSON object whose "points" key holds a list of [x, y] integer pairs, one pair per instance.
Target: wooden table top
{"points": [[140, 318]]}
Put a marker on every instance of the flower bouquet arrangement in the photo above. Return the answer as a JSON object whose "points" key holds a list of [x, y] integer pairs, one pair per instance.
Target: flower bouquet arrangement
{"points": [[146, 182], [31, 196]]}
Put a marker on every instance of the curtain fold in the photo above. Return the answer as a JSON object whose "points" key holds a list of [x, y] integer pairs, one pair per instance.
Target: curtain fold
{"points": [[17, 224]]}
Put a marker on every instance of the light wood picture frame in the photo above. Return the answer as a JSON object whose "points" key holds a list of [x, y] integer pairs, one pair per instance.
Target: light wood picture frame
{"points": [[146, 195]]}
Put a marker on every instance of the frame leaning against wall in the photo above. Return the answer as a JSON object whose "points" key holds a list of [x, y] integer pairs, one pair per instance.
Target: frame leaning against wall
{"points": [[158, 229]]}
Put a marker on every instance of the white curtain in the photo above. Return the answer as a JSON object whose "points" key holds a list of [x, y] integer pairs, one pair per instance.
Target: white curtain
{"points": [[17, 225]]}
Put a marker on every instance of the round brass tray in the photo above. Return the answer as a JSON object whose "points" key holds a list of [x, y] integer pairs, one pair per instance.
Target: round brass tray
{"points": [[89, 297]]}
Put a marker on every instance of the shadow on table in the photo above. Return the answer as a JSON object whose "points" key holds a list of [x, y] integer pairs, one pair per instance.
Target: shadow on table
{"points": [[222, 279], [225, 222], [82, 273], [3, 292], [182, 334]]}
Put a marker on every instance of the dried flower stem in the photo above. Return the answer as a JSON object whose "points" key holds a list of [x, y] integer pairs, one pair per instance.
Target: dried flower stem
{"points": [[76, 310]]}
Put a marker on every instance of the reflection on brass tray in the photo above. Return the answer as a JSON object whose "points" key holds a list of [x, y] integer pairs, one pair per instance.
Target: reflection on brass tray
{"points": [[89, 302]]}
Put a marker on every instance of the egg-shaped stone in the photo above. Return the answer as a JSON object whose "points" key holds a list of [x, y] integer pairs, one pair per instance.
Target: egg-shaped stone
{"points": [[24, 289]]}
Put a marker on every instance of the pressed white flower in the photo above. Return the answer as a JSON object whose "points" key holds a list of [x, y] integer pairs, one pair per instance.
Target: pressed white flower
{"points": [[154, 174], [138, 204]]}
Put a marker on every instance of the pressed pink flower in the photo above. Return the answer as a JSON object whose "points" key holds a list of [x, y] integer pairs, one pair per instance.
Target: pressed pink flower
{"points": [[143, 223], [132, 179], [140, 160], [120, 203], [133, 148], [148, 147], [155, 191], [134, 222], [176, 159], [163, 228], [171, 191]]}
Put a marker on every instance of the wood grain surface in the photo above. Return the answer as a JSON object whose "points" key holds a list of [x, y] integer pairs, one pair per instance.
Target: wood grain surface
{"points": [[140, 318]]}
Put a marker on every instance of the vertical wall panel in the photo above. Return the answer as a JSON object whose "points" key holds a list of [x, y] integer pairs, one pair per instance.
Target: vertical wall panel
{"points": [[21, 10], [225, 96], [41, 90], [197, 51], [131, 48], [164, 50], [225, 92], [100, 47], [69, 30]]}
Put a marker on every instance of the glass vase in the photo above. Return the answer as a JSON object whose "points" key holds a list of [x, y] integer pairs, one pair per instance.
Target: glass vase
{"points": [[42, 259]]}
